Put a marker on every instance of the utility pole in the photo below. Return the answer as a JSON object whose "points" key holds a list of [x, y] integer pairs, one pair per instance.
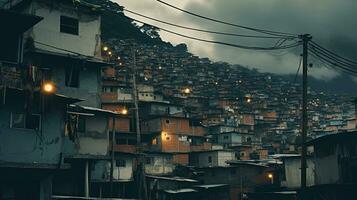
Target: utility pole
{"points": [[135, 99], [112, 157], [141, 170], [305, 40]]}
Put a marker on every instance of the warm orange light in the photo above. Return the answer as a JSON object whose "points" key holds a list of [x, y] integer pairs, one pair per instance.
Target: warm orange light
{"points": [[48, 87], [124, 111], [187, 91], [270, 176]]}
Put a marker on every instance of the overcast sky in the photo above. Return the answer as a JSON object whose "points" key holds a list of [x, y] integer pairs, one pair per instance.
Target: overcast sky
{"points": [[332, 23]]}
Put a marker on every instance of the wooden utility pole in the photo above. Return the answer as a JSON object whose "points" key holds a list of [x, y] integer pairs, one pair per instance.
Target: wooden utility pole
{"points": [[135, 99], [112, 157], [141, 171], [305, 40]]}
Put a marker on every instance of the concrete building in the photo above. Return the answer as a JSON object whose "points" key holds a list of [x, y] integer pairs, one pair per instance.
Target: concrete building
{"points": [[335, 166], [212, 158], [159, 163], [335, 161], [291, 173], [66, 47], [32, 142]]}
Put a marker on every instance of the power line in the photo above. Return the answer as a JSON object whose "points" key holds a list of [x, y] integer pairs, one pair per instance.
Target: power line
{"points": [[209, 31], [223, 43], [334, 56], [268, 32], [331, 62], [332, 59], [326, 50]]}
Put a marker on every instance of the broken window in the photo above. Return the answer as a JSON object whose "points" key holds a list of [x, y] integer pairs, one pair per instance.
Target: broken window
{"points": [[69, 25], [29, 121], [72, 77]]}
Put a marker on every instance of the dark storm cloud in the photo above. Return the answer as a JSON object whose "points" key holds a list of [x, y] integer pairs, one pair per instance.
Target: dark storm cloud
{"points": [[332, 23]]}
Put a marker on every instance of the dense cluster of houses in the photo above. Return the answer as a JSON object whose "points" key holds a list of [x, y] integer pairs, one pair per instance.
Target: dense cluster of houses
{"points": [[68, 128]]}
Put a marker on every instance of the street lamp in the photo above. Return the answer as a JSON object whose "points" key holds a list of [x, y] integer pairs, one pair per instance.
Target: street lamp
{"points": [[105, 48], [249, 100], [124, 111], [187, 91], [271, 177], [48, 87]]}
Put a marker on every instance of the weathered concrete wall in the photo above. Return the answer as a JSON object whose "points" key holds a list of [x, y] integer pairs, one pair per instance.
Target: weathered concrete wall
{"points": [[95, 141], [230, 138], [327, 169], [48, 30], [223, 157], [89, 84], [159, 164], [292, 173], [218, 158], [31, 146], [101, 170]]}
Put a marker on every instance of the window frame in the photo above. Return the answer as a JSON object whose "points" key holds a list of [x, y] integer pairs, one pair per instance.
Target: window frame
{"points": [[120, 163], [74, 71], [70, 27], [25, 126]]}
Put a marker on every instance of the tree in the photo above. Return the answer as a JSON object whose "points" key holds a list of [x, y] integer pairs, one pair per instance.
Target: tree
{"points": [[151, 31]]}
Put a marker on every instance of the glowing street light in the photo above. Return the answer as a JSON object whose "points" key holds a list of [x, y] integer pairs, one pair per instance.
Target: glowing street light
{"points": [[48, 88], [187, 91], [249, 100], [271, 177], [105, 48], [124, 111], [110, 53]]}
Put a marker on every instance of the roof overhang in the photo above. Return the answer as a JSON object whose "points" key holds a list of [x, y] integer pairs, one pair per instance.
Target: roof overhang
{"points": [[17, 22]]}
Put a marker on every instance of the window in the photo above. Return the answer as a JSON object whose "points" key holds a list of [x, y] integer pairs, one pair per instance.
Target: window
{"points": [[72, 77], [226, 137], [167, 121], [209, 159], [148, 161], [21, 120], [120, 163], [81, 126], [69, 25]]}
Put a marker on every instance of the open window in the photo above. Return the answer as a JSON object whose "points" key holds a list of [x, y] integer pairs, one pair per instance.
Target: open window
{"points": [[25, 121]]}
